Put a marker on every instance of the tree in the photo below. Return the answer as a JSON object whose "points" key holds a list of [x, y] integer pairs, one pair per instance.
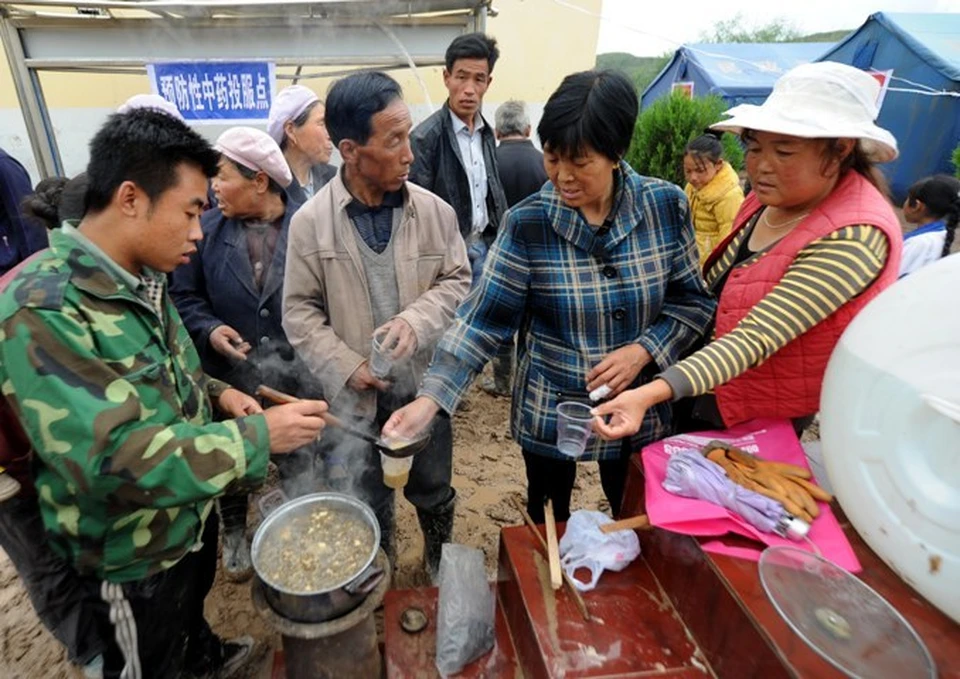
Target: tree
{"points": [[956, 161], [641, 70], [665, 128], [737, 29]]}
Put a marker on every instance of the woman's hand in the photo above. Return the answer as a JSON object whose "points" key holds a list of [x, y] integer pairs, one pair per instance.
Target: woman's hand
{"points": [[227, 342], [619, 369], [411, 420], [626, 411]]}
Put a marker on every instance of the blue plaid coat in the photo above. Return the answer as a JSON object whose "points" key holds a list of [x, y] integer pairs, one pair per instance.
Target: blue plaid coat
{"points": [[577, 293]]}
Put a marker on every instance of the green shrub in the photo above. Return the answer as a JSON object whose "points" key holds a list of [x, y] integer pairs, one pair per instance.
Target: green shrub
{"points": [[956, 161], [664, 129]]}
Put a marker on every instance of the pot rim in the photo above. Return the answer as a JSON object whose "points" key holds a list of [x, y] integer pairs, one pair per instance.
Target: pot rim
{"points": [[315, 498]]}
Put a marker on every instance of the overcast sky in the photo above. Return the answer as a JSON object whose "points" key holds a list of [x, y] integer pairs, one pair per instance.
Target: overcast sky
{"points": [[652, 27]]}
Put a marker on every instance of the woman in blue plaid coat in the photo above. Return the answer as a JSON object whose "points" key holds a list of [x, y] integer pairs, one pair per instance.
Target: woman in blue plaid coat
{"points": [[598, 272]]}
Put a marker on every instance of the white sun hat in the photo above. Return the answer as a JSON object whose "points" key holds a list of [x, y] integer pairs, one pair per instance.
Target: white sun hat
{"points": [[820, 100]]}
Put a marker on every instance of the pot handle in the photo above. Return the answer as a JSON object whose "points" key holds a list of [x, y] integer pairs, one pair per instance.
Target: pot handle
{"points": [[366, 582]]}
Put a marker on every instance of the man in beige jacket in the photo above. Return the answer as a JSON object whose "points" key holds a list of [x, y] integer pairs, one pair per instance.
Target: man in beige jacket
{"points": [[371, 254]]}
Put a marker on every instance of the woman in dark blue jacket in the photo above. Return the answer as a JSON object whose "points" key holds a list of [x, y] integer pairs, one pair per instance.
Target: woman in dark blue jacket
{"points": [[230, 295]]}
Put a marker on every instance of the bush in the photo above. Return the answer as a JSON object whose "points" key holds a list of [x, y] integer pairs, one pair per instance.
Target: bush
{"points": [[664, 129], [956, 161]]}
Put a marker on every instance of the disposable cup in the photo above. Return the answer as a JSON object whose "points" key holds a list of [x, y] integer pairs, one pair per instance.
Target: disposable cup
{"points": [[380, 361], [396, 470], [574, 428]]}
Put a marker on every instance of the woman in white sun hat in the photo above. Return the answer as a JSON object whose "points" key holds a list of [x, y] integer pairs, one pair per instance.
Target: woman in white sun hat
{"points": [[812, 244]]}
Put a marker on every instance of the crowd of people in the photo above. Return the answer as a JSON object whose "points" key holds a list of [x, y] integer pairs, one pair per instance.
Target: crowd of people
{"points": [[144, 301]]}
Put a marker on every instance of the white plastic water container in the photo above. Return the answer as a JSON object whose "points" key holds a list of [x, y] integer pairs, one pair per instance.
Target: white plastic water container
{"points": [[890, 428]]}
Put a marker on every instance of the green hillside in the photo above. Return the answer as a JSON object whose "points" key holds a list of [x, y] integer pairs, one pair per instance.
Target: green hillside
{"points": [[642, 70]]}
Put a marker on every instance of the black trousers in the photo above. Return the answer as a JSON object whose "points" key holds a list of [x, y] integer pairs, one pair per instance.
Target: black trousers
{"points": [[63, 604], [156, 625], [549, 477]]}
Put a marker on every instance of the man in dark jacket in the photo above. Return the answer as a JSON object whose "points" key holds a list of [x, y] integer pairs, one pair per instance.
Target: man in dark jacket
{"points": [[455, 156], [520, 163], [455, 148], [19, 238]]}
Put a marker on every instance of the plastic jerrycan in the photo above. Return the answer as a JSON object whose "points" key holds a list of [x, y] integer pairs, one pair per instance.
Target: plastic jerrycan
{"points": [[890, 429]]}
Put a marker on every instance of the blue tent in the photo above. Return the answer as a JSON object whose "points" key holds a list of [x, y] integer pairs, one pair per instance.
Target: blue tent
{"points": [[741, 73], [924, 52]]}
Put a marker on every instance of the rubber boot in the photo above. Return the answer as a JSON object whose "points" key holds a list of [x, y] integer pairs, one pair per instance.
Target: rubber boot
{"points": [[237, 565], [437, 527]]}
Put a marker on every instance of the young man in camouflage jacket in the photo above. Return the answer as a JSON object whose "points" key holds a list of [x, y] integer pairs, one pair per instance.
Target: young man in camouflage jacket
{"points": [[104, 380]]}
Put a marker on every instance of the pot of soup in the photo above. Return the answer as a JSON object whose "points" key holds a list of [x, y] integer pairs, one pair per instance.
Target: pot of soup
{"points": [[315, 556]]}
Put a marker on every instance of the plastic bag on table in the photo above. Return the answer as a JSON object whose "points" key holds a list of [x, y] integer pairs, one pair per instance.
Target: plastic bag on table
{"points": [[465, 610], [584, 546]]}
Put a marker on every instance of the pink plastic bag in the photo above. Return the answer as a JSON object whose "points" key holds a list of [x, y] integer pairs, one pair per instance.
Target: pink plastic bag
{"points": [[768, 439]]}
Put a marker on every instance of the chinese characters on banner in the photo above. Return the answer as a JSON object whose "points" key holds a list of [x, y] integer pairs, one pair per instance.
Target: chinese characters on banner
{"points": [[212, 92], [684, 87]]}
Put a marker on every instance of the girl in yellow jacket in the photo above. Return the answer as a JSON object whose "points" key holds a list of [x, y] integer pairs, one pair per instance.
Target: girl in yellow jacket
{"points": [[713, 190]]}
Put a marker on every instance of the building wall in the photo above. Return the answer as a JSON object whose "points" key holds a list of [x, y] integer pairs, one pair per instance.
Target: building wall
{"points": [[540, 42]]}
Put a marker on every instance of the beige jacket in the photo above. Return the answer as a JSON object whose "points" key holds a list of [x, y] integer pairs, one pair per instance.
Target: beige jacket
{"points": [[326, 307]]}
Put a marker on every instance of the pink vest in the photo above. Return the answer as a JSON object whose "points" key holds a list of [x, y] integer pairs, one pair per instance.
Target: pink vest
{"points": [[787, 385]]}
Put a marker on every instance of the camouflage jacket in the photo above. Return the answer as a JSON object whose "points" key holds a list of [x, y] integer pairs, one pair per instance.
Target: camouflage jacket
{"points": [[115, 404]]}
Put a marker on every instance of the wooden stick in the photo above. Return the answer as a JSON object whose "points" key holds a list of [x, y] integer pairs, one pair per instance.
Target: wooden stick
{"points": [[641, 521], [574, 592], [553, 549], [279, 398], [274, 395]]}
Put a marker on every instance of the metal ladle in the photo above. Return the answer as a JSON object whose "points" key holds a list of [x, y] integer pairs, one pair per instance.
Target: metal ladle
{"points": [[406, 450]]}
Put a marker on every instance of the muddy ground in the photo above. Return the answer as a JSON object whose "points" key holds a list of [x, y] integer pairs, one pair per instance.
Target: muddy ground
{"points": [[488, 470]]}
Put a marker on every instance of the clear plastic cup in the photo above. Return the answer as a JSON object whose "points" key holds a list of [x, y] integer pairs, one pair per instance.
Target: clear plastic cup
{"points": [[396, 470], [380, 361], [574, 428]]}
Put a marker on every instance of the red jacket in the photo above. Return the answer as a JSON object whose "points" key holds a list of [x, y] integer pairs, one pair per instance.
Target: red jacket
{"points": [[787, 385]]}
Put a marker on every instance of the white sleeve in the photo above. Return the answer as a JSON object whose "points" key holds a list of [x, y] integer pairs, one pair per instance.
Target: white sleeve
{"points": [[920, 251]]}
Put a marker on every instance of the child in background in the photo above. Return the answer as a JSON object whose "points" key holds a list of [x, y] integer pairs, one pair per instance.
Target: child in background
{"points": [[713, 190], [934, 204]]}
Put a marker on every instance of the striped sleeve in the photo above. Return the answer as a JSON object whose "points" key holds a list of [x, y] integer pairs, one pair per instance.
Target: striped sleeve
{"points": [[825, 275], [725, 261]]}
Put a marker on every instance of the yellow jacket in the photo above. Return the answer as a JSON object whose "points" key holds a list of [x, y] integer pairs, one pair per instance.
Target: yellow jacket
{"points": [[713, 208]]}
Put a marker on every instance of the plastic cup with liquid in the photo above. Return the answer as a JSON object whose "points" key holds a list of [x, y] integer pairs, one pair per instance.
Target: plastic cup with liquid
{"points": [[396, 470], [380, 360], [574, 428]]}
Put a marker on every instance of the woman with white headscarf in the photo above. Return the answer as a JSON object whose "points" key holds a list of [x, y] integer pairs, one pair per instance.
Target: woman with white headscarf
{"points": [[297, 124], [230, 297]]}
